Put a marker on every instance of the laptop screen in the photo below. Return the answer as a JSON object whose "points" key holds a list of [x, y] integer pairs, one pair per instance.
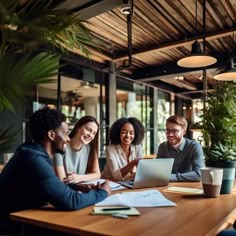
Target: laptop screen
{"points": [[153, 172]]}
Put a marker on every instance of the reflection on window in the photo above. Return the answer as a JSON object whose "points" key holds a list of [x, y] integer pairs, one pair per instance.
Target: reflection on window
{"points": [[197, 118], [163, 111]]}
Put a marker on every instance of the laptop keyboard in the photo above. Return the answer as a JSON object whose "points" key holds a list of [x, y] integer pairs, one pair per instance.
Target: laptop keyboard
{"points": [[130, 182]]}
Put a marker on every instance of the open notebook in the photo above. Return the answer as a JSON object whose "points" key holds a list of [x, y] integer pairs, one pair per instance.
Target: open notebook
{"points": [[151, 173]]}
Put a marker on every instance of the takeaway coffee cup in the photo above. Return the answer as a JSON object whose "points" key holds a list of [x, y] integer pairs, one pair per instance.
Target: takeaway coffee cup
{"points": [[211, 181]]}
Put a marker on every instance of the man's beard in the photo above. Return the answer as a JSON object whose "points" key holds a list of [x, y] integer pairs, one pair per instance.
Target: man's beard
{"points": [[56, 149]]}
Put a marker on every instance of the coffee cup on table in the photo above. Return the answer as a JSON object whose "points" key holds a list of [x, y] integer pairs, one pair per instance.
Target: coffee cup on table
{"points": [[227, 180], [211, 181]]}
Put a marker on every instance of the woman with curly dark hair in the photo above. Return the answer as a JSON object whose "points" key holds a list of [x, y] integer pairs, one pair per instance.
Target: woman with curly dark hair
{"points": [[125, 150]]}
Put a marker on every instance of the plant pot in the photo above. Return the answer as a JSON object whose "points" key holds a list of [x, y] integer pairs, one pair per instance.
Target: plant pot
{"points": [[229, 169], [221, 164]]}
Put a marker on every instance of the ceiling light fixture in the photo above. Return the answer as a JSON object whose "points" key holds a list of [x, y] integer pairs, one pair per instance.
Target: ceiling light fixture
{"points": [[197, 58], [229, 72], [126, 8], [87, 85], [179, 77]]}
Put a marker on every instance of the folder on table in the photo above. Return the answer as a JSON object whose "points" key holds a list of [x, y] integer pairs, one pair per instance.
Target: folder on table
{"points": [[184, 190], [130, 211]]}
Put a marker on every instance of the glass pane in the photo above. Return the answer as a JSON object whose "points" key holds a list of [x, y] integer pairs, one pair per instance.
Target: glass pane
{"points": [[163, 111], [136, 103]]}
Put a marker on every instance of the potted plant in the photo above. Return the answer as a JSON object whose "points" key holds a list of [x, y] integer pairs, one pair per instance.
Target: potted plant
{"points": [[219, 126]]}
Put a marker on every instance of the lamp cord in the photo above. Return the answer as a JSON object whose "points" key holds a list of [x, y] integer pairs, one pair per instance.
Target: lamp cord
{"points": [[233, 47], [196, 15]]}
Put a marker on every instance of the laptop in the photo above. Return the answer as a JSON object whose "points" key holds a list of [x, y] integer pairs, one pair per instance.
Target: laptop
{"points": [[151, 173]]}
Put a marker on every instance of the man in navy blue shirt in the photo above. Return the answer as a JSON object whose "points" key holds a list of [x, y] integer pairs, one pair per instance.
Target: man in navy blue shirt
{"points": [[29, 181]]}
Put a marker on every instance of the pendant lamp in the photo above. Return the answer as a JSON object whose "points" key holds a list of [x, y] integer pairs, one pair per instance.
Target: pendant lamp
{"points": [[229, 72], [197, 58]]}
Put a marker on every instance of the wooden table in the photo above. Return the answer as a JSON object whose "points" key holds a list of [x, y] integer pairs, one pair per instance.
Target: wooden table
{"points": [[194, 215]]}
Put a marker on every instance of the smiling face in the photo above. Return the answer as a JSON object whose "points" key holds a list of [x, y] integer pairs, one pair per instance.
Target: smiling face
{"points": [[174, 133], [87, 132], [60, 138], [127, 134]]}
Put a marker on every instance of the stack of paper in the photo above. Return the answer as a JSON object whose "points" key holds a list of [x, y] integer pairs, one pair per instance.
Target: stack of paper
{"points": [[148, 198]]}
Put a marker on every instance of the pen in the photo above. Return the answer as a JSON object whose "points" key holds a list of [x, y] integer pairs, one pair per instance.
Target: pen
{"points": [[117, 215], [116, 209]]}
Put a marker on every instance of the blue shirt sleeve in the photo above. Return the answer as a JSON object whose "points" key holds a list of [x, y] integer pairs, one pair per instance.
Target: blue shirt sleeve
{"points": [[29, 181], [59, 194]]}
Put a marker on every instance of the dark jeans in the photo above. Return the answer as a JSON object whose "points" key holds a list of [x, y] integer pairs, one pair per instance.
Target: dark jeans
{"points": [[10, 228]]}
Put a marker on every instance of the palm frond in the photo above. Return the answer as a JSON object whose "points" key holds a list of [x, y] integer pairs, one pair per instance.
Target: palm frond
{"points": [[38, 22], [19, 73], [26, 26]]}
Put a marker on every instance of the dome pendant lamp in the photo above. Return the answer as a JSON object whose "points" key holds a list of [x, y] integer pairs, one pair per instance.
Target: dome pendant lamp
{"points": [[229, 72], [197, 58]]}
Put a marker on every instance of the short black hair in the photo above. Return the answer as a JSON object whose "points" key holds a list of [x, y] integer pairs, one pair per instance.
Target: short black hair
{"points": [[44, 120], [139, 130]]}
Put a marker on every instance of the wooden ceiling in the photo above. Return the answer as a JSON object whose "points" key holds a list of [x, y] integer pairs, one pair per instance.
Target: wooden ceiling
{"points": [[162, 33]]}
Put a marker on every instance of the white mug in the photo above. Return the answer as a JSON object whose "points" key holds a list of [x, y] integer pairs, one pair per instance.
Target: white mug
{"points": [[211, 181]]}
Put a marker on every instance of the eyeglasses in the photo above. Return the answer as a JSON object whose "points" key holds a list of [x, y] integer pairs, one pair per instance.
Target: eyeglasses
{"points": [[173, 131]]}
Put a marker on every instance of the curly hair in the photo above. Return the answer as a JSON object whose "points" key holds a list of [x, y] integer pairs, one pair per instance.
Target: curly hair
{"points": [[139, 130], [179, 120], [44, 120]]}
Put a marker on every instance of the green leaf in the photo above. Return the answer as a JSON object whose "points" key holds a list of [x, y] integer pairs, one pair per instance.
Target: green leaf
{"points": [[38, 22], [21, 72]]}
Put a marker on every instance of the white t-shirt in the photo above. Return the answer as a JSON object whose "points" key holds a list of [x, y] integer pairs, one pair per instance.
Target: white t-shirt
{"points": [[73, 161]]}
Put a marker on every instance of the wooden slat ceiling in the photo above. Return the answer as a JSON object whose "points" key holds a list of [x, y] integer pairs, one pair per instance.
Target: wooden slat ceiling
{"points": [[162, 33]]}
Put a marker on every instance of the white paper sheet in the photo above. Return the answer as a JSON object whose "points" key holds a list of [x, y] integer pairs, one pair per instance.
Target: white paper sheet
{"points": [[148, 198]]}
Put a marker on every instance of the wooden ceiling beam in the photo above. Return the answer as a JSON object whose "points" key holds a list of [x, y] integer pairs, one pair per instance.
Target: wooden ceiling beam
{"points": [[90, 8], [180, 43]]}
